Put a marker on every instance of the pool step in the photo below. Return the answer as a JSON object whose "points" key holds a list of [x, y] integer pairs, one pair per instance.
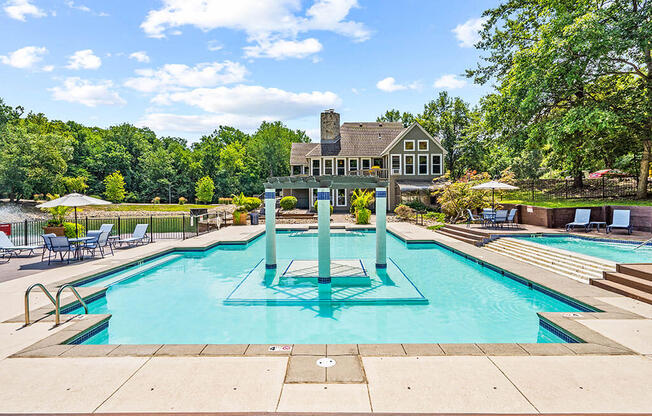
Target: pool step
{"points": [[641, 270], [135, 270], [631, 280], [462, 234], [568, 264], [623, 290]]}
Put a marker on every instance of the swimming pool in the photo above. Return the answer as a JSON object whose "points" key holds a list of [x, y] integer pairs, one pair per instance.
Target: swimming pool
{"points": [[428, 294], [616, 251]]}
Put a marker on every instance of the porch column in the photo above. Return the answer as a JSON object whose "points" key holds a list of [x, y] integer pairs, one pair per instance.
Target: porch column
{"points": [[270, 228], [381, 228], [324, 239]]}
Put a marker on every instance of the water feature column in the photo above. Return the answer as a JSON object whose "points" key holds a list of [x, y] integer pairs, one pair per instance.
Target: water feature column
{"points": [[381, 228], [270, 228], [324, 240]]}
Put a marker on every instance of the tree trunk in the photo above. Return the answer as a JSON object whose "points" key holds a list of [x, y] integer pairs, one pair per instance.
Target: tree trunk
{"points": [[578, 179], [644, 173]]}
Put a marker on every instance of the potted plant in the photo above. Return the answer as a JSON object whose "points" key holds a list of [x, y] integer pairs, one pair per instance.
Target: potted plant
{"points": [[55, 225], [240, 213]]}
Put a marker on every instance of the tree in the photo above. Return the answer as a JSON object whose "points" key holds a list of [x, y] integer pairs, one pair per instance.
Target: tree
{"points": [[74, 184], [393, 116], [115, 187], [205, 189], [270, 148]]}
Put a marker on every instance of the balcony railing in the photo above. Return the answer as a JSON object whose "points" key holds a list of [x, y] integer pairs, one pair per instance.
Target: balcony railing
{"points": [[381, 173]]}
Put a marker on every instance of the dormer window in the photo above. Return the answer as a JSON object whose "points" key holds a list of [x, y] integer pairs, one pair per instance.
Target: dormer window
{"points": [[408, 145]]}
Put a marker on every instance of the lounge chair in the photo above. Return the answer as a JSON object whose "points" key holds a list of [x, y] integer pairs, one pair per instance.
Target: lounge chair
{"points": [[8, 247], [138, 237], [582, 219], [511, 217], [621, 219], [472, 218], [99, 242], [62, 247], [104, 228]]}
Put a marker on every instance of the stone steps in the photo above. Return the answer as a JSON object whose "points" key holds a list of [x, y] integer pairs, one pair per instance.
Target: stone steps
{"points": [[631, 280], [623, 290], [461, 234]]}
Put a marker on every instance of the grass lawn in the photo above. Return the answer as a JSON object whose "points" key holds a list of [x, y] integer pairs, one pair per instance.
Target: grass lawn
{"points": [[572, 203], [150, 207]]}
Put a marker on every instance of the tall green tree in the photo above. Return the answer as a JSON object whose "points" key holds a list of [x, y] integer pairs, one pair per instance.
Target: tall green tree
{"points": [[114, 185], [395, 116]]}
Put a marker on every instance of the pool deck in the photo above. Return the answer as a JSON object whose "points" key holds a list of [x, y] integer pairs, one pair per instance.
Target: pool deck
{"points": [[608, 373]]}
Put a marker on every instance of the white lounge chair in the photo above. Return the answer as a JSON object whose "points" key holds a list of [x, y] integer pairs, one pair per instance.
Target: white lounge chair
{"points": [[582, 219], [621, 219], [7, 246], [138, 237]]}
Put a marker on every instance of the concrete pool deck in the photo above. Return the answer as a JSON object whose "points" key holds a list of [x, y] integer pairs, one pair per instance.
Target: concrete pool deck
{"points": [[609, 374]]}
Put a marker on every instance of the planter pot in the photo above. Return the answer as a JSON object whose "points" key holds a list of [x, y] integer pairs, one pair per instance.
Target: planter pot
{"points": [[58, 231], [240, 220]]}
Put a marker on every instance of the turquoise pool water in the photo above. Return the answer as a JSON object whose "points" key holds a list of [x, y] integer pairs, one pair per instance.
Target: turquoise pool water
{"points": [[604, 249], [224, 296]]}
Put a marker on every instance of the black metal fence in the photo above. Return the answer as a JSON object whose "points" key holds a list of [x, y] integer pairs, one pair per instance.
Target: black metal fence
{"points": [[178, 227], [598, 188]]}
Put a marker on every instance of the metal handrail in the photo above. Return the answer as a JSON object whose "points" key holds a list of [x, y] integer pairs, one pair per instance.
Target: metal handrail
{"points": [[27, 292], [58, 300], [642, 244]]}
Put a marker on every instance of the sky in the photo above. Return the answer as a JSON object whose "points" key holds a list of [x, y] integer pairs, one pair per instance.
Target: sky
{"points": [[184, 67]]}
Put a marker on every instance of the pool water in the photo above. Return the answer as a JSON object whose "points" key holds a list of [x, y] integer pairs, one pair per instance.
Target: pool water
{"points": [[185, 299], [604, 249]]}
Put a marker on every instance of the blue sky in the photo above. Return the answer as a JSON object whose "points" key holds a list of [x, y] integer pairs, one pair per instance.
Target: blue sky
{"points": [[183, 67]]}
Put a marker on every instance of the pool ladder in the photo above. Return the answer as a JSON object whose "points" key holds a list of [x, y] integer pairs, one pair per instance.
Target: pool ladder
{"points": [[56, 301]]}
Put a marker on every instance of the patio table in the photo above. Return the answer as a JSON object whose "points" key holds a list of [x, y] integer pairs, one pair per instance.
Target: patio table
{"points": [[596, 225], [78, 242]]}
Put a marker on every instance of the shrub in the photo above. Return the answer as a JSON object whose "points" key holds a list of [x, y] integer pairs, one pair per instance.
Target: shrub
{"points": [[114, 187], [457, 197], [315, 206], [363, 215], [416, 205], [437, 216], [404, 212], [252, 203], [361, 199], [288, 203], [131, 197], [225, 201], [70, 229], [182, 200], [205, 189], [156, 200]]}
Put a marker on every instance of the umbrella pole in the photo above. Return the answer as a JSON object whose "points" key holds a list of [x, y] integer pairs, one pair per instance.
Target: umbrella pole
{"points": [[76, 230], [493, 204]]}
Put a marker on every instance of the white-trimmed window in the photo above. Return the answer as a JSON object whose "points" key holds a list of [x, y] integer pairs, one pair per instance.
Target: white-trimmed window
{"points": [[408, 145], [313, 196], [341, 198], [353, 165], [328, 166], [436, 165], [341, 167], [408, 168], [396, 164], [366, 164], [423, 164], [297, 169], [316, 167], [423, 145]]}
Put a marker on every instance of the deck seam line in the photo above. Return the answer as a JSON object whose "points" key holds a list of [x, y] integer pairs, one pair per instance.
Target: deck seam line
{"points": [[513, 384], [280, 393], [123, 383]]}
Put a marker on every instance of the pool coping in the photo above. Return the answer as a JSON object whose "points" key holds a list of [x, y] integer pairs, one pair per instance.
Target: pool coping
{"points": [[590, 342]]}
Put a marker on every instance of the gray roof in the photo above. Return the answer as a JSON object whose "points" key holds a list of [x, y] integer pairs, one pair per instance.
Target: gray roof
{"points": [[357, 139], [299, 152]]}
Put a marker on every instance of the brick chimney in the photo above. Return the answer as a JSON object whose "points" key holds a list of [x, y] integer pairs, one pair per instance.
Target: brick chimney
{"points": [[330, 126]]}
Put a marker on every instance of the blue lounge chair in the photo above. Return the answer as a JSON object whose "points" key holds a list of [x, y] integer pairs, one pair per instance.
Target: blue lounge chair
{"points": [[582, 219], [7, 246], [510, 218], [138, 237], [621, 219]]}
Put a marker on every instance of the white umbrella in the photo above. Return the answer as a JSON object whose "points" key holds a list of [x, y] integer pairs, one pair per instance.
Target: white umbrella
{"points": [[73, 200], [493, 185]]}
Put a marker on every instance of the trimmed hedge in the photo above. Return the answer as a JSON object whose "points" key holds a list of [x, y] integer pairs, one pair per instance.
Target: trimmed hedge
{"points": [[288, 203]]}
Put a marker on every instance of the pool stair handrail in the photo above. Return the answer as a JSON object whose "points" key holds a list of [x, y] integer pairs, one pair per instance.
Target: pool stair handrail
{"points": [[643, 244], [58, 301], [28, 291]]}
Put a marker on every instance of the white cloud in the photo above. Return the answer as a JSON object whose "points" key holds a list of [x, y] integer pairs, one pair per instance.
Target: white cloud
{"points": [[265, 22], [282, 49], [48, 68], [179, 76], [77, 90], [81, 7], [214, 46], [449, 82], [84, 59], [198, 123], [468, 33], [18, 9], [389, 85], [140, 56], [253, 101], [24, 58]]}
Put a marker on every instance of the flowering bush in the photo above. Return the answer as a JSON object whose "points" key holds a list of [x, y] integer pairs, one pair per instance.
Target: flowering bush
{"points": [[404, 212]]}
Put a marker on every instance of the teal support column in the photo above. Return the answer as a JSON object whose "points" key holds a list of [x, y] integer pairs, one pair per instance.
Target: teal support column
{"points": [[324, 240], [270, 228], [381, 228]]}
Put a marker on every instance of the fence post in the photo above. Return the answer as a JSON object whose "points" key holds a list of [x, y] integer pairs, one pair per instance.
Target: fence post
{"points": [[603, 188], [151, 229], [119, 230], [86, 222], [25, 233], [566, 187], [197, 224], [183, 226], [532, 190]]}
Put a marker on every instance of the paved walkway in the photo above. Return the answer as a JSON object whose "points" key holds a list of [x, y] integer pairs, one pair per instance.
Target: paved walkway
{"points": [[500, 380]]}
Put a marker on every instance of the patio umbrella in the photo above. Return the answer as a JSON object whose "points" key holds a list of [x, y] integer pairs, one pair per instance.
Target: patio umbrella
{"points": [[73, 200], [493, 185]]}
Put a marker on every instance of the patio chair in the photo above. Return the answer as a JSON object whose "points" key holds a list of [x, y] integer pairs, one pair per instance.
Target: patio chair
{"points": [[7, 246], [621, 219], [472, 218], [488, 216], [104, 228], [511, 217], [99, 242], [47, 246], [500, 218], [62, 247], [138, 237], [582, 219]]}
